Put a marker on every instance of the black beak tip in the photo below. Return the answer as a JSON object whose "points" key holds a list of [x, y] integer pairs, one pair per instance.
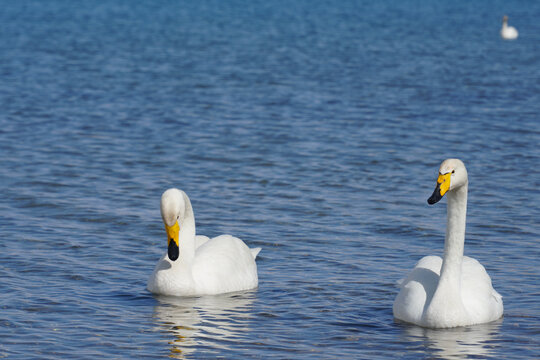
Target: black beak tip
{"points": [[436, 196], [432, 200], [173, 251]]}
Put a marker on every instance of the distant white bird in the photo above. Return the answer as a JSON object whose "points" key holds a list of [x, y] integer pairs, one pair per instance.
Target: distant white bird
{"points": [[456, 290], [196, 265], [508, 32]]}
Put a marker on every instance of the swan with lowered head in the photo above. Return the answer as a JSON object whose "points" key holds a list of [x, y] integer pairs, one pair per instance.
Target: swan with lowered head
{"points": [[508, 32], [196, 265], [456, 290]]}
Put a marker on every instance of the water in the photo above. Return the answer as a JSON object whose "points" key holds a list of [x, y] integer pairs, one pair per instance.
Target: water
{"points": [[313, 130]]}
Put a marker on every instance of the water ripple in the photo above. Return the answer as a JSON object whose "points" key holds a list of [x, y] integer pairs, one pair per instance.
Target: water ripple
{"points": [[311, 130]]}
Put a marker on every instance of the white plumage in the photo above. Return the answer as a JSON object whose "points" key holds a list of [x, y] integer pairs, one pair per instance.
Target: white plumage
{"points": [[200, 266], [508, 32], [456, 290]]}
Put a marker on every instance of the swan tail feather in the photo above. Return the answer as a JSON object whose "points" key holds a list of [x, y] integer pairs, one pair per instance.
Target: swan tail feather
{"points": [[255, 252]]}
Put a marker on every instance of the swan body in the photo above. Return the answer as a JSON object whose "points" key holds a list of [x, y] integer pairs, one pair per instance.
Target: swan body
{"points": [[508, 32], [197, 265], [454, 290]]}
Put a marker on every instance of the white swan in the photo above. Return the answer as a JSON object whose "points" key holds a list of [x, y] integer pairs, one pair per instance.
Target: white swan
{"points": [[456, 290], [197, 265], [508, 32]]}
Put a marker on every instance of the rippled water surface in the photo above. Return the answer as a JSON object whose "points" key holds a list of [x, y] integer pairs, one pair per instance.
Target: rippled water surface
{"points": [[311, 129]]}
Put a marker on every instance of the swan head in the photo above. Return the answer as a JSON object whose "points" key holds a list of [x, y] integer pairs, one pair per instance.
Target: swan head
{"points": [[505, 19], [452, 175], [173, 209]]}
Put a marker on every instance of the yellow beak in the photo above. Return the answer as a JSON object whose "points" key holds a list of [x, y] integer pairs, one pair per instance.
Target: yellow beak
{"points": [[173, 233], [444, 182]]}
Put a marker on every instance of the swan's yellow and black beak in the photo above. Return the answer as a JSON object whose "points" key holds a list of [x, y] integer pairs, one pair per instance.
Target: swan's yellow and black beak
{"points": [[173, 234], [443, 184]]}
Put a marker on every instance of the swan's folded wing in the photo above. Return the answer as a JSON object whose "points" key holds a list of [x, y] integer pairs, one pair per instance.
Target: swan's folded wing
{"points": [[417, 289], [200, 240], [224, 264], [481, 300]]}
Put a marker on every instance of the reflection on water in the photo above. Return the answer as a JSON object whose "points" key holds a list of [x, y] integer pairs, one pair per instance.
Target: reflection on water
{"points": [[207, 321], [457, 343]]}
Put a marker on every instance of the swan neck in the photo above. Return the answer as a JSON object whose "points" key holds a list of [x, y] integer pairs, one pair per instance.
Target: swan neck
{"points": [[446, 305], [187, 233], [455, 233]]}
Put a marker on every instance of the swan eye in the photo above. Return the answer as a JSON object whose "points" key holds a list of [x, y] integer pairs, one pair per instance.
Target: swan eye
{"points": [[453, 171]]}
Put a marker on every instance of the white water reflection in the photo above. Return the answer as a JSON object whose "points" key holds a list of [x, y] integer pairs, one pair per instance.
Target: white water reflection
{"points": [[204, 322], [457, 343]]}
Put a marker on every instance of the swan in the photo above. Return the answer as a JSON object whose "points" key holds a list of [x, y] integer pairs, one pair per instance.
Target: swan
{"points": [[456, 290], [508, 32], [196, 265]]}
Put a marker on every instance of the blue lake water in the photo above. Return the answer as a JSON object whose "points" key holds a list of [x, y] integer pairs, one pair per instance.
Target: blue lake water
{"points": [[313, 130]]}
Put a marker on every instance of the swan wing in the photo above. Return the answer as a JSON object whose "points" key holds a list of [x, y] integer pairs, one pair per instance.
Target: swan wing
{"points": [[509, 33], [224, 264], [200, 240], [417, 289], [482, 301]]}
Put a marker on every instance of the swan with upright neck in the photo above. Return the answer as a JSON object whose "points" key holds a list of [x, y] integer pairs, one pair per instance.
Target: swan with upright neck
{"points": [[455, 290], [508, 32], [196, 265]]}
